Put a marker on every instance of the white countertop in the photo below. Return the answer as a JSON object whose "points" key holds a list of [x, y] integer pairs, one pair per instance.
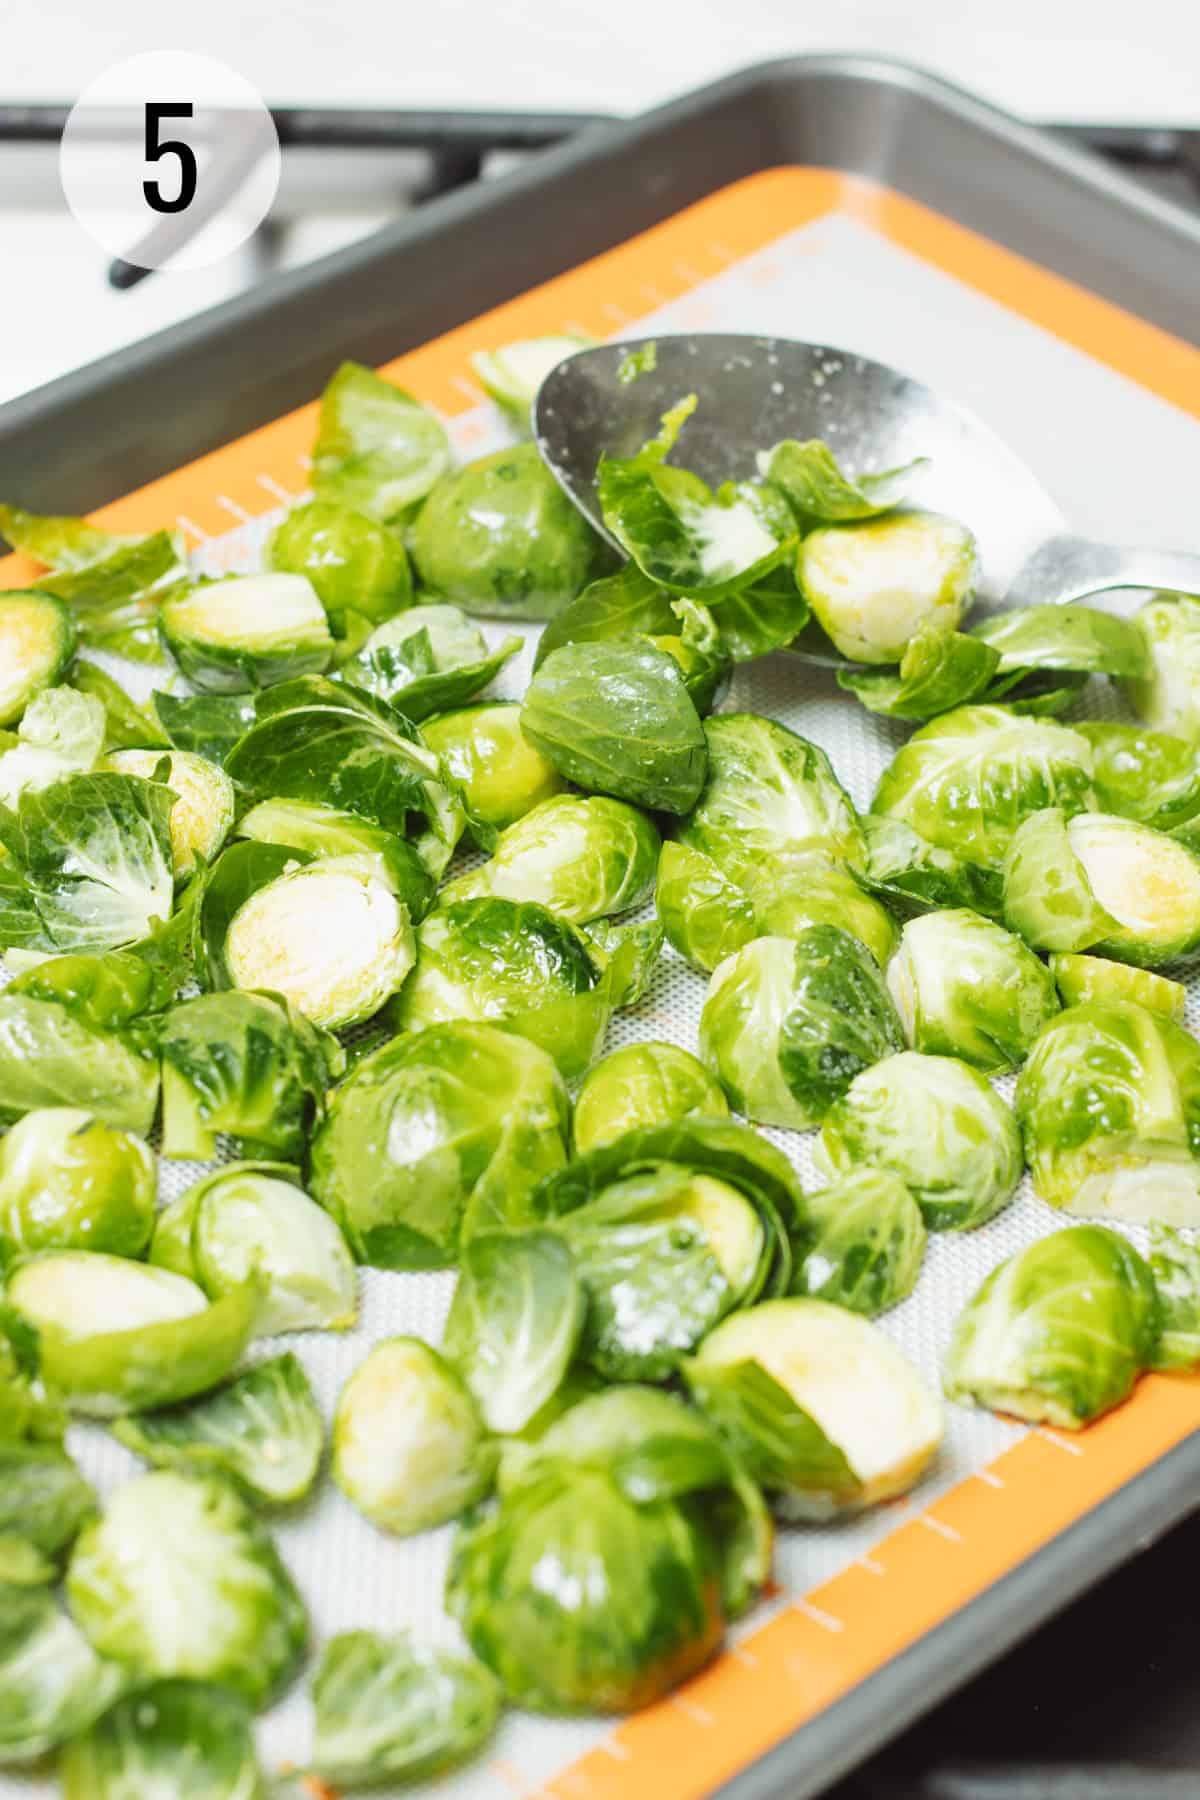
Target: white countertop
{"points": [[1078, 60]]}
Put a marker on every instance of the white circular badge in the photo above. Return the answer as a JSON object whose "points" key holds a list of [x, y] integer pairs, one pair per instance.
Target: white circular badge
{"points": [[170, 160]]}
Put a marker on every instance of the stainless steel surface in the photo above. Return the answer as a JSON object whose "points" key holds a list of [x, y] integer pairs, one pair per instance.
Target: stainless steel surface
{"points": [[755, 391]]}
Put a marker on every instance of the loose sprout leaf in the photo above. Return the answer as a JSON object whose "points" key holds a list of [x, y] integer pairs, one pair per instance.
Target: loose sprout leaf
{"points": [[37, 642], [580, 856], [69, 1181], [818, 489], [177, 1740], [378, 450], [51, 1056], [914, 876], [59, 542], [436, 1133], [389, 1709], [513, 373], [1059, 1332], [1079, 638], [1175, 1265], [616, 718], [1145, 775], [767, 615], [202, 814], [52, 1683], [630, 956], [862, 1244], [428, 659], [209, 724], [514, 1323], [357, 566], [128, 726], [61, 733], [939, 670], [678, 531], [117, 600], [643, 1084], [963, 986], [263, 1428], [179, 1578], [625, 605], [635, 363]]}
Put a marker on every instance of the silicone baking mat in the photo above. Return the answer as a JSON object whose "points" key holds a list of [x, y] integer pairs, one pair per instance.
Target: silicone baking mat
{"points": [[1106, 410]]}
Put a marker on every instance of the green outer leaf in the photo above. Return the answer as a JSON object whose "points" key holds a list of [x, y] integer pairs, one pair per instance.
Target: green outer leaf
{"points": [[58, 541], [1082, 978], [388, 1709], [779, 1444], [222, 664], [915, 877], [49, 1056], [43, 1497], [263, 1429], [625, 605], [356, 565], [643, 1084], [705, 915], [768, 615], [129, 726], [767, 792], [939, 670], [1175, 1265], [863, 1243], [383, 671], [1145, 775], [117, 600], [315, 830], [209, 724], [178, 1738], [377, 449], [630, 956], [514, 1323], [818, 489], [52, 1683], [1080, 638]]}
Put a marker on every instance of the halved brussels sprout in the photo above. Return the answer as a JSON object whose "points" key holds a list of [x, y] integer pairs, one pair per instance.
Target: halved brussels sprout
{"points": [[513, 373], [1145, 775], [332, 938], [1168, 697], [788, 1023], [357, 567], [52, 1683], [643, 1084], [939, 670], [246, 631], [966, 781], [429, 658], [1082, 978], [513, 964], [499, 537], [69, 1181], [1109, 1103], [245, 1064], [202, 815], [580, 856], [1059, 1332], [61, 733], [500, 774], [914, 876], [324, 831], [937, 1124], [53, 1055], [514, 1323], [409, 1446], [872, 585], [1098, 882], [616, 718], [262, 1428], [179, 1578], [37, 642], [619, 1548], [250, 1218], [115, 1336], [436, 1135], [177, 1739], [44, 1500], [818, 489], [378, 450], [818, 1405], [862, 1244], [767, 792], [1175, 1266], [965, 987]]}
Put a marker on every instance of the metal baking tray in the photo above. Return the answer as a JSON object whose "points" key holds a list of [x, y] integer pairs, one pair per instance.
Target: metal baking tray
{"points": [[99, 433]]}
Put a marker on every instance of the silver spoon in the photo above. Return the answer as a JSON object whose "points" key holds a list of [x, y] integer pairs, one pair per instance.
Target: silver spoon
{"points": [[756, 390]]}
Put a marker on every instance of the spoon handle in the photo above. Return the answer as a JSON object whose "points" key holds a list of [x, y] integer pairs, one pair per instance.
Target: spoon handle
{"points": [[1068, 568]]}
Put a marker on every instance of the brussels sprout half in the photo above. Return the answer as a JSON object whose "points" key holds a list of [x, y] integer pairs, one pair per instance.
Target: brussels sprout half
{"points": [[434, 1136], [410, 1449], [1082, 978], [115, 1336], [963, 986], [580, 856], [177, 1738], [513, 373], [872, 585], [179, 1578], [357, 567], [1058, 1333], [1168, 696], [499, 773], [1109, 1104], [937, 1124], [862, 1244], [325, 831], [1149, 776], [514, 1323], [52, 1683], [818, 1405], [202, 815], [767, 792], [70, 1181], [50, 1056], [639, 1085], [37, 642], [246, 631], [500, 538]]}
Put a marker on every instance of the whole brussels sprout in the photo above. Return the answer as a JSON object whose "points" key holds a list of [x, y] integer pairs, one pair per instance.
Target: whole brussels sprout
{"points": [[500, 538], [1169, 697], [179, 1578], [356, 565], [817, 1405], [1060, 1332], [788, 1024], [1109, 1104], [862, 1243], [643, 1084], [409, 1447], [606, 1572], [965, 781], [767, 792], [1098, 882], [68, 1181], [202, 815], [965, 987], [437, 1135], [500, 774], [938, 1125], [513, 964], [580, 856], [514, 1323], [873, 584]]}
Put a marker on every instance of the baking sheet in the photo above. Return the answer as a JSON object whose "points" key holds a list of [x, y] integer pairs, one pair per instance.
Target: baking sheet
{"points": [[1110, 450]]}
